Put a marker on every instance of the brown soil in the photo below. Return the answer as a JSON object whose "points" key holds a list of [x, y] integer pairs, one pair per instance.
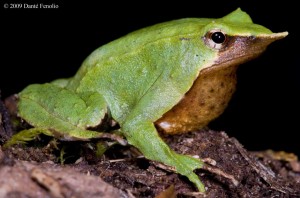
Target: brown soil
{"points": [[50, 168]]}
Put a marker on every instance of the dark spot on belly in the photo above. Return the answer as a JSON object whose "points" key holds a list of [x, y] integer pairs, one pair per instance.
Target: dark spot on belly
{"points": [[202, 103], [223, 103], [212, 107], [222, 84]]}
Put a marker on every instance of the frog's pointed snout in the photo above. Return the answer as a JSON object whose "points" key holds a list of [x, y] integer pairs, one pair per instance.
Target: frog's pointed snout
{"points": [[261, 41], [279, 35], [270, 38]]}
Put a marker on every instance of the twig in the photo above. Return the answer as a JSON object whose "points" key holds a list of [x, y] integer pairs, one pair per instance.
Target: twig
{"points": [[218, 171]]}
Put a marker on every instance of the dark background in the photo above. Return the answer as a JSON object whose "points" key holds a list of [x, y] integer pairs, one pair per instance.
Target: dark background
{"points": [[39, 45]]}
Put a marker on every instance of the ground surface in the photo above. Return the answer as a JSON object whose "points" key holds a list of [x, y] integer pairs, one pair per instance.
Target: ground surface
{"points": [[49, 168]]}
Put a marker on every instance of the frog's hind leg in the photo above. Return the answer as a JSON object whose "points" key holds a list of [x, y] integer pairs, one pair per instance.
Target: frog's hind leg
{"points": [[59, 112]]}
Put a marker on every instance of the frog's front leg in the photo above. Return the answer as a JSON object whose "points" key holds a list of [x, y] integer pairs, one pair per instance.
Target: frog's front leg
{"points": [[145, 137]]}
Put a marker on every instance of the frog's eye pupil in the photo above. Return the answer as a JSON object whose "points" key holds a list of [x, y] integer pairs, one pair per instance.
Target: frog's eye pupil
{"points": [[218, 37]]}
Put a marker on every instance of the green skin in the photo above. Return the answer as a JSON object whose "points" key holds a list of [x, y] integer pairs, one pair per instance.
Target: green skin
{"points": [[136, 79]]}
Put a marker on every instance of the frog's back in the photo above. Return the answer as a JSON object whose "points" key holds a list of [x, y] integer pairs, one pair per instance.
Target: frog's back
{"points": [[132, 42], [139, 38]]}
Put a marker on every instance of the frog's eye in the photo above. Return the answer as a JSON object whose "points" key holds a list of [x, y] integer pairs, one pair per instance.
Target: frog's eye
{"points": [[215, 39], [218, 37]]}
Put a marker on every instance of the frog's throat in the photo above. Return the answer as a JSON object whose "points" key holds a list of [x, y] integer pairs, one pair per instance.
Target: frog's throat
{"points": [[205, 101]]}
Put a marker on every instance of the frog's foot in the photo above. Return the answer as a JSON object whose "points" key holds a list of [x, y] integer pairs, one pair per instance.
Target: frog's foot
{"points": [[147, 140], [185, 165], [22, 137]]}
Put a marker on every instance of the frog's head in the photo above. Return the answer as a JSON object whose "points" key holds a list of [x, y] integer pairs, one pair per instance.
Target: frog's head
{"points": [[237, 39], [233, 40]]}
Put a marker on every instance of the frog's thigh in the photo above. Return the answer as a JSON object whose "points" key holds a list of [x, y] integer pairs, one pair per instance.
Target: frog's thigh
{"points": [[145, 137], [50, 106]]}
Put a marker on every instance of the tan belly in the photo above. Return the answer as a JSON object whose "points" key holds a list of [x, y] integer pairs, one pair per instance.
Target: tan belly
{"points": [[205, 101]]}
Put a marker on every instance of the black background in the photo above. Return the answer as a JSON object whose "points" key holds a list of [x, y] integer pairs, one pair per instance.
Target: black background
{"points": [[39, 45]]}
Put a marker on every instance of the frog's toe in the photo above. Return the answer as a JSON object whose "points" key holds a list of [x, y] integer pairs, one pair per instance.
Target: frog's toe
{"points": [[186, 165]]}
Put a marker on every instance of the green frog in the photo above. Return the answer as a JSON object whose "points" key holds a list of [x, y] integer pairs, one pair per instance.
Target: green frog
{"points": [[172, 77]]}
